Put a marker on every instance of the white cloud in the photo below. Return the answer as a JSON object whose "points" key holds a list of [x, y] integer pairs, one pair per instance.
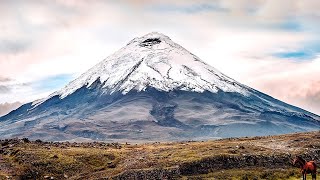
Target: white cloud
{"points": [[49, 38], [7, 107]]}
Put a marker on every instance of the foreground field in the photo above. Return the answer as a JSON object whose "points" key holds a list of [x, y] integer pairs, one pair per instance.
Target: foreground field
{"points": [[234, 158]]}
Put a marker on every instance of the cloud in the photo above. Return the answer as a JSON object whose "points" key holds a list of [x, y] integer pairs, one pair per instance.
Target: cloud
{"points": [[8, 107], [13, 47], [4, 89], [293, 82], [4, 79], [30, 89], [270, 45], [9, 88], [189, 9]]}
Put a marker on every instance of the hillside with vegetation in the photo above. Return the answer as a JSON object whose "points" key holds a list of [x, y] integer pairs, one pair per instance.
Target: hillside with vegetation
{"points": [[233, 158]]}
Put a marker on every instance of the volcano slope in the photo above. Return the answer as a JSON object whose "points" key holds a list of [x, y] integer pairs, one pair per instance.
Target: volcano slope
{"points": [[154, 90]]}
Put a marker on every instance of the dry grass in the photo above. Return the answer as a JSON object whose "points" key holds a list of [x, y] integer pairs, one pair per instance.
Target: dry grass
{"points": [[69, 161], [246, 174]]}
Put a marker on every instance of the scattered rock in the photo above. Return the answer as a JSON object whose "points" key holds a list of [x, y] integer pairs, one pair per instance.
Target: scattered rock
{"points": [[233, 151], [38, 141], [25, 140], [111, 165], [4, 143]]}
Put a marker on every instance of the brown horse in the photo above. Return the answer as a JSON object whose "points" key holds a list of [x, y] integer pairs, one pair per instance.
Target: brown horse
{"points": [[306, 167]]}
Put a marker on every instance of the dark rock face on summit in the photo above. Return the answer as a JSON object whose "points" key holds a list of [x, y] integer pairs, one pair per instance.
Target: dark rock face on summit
{"points": [[154, 90]]}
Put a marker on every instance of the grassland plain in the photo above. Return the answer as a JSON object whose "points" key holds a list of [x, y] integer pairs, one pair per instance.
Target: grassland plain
{"points": [[266, 157]]}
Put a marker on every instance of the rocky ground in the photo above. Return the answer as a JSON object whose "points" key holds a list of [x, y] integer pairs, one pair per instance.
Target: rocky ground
{"points": [[233, 158]]}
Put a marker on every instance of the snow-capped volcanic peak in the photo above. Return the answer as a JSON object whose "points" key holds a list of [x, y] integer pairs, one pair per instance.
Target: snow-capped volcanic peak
{"points": [[92, 108], [153, 60]]}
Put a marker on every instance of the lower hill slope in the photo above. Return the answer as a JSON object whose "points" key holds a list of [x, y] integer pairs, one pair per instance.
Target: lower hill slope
{"points": [[266, 157], [151, 115]]}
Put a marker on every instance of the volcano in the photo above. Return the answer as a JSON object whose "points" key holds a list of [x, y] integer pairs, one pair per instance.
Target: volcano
{"points": [[154, 90]]}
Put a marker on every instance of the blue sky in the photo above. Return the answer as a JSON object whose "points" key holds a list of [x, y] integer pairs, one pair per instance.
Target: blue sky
{"points": [[298, 55], [52, 82], [271, 45]]}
